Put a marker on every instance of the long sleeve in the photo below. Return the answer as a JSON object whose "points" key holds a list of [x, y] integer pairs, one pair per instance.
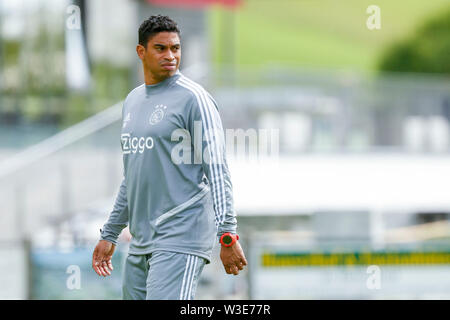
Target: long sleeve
{"points": [[118, 219], [205, 127]]}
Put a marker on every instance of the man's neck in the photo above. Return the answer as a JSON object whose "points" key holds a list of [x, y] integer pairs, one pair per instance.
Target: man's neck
{"points": [[150, 79]]}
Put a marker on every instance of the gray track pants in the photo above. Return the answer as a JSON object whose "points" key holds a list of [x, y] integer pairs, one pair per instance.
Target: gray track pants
{"points": [[161, 275]]}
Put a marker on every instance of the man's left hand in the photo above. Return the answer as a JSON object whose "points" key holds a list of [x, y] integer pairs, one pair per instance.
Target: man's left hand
{"points": [[233, 258]]}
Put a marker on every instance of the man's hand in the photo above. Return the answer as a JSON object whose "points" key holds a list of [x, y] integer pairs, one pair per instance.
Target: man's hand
{"points": [[233, 258], [101, 259]]}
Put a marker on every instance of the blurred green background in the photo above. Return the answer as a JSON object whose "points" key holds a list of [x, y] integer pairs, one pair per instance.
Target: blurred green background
{"points": [[322, 34]]}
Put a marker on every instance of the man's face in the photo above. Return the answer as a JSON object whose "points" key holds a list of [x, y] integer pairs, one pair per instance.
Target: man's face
{"points": [[162, 54]]}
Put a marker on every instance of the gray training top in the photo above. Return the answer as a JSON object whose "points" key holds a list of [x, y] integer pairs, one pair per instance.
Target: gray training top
{"points": [[176, 194]]}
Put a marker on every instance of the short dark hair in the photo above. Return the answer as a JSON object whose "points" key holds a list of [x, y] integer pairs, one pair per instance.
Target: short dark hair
{"points": [[154, 25]]}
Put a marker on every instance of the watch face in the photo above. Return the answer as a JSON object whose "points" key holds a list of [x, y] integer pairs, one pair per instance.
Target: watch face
{"points": [[227, 239]]}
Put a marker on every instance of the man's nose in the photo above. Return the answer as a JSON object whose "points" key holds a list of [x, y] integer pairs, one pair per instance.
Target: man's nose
{"points": [[170, 56]]}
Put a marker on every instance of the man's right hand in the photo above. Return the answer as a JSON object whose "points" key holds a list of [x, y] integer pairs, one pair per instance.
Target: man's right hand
{"points": [[101, 259]]}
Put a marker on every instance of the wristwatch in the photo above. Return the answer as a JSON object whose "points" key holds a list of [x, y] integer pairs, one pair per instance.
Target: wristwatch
{"points": [[228, 239]]}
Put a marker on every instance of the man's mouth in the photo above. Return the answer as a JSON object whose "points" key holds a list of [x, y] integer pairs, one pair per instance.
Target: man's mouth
{"points": [[169, 66]]}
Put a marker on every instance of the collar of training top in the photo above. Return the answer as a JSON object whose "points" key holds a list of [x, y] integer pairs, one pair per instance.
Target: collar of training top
{"points": [[158, 87]]}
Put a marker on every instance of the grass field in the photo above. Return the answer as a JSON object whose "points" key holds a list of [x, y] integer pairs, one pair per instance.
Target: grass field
{"points": [[315, 33]]}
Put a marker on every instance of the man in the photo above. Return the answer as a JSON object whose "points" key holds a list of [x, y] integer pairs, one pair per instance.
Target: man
{"points": [[176, 210]]}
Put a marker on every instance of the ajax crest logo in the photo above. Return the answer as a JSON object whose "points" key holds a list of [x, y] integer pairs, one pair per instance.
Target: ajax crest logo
{"points": [[158, 114]]}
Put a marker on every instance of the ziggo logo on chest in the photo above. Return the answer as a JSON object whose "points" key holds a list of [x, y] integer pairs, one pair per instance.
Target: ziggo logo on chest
{"points": [[135, 144]]}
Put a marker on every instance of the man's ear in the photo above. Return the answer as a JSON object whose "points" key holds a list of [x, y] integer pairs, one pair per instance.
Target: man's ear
{"points": [[140, 50]]}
